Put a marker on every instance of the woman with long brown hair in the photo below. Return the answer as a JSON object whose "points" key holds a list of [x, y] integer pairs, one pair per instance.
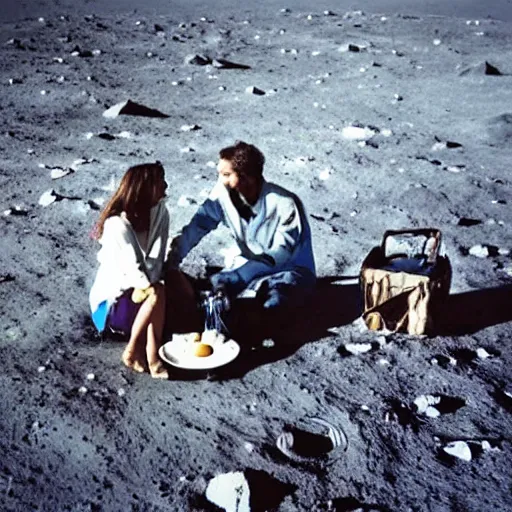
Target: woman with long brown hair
{"points": [[128, 294]]}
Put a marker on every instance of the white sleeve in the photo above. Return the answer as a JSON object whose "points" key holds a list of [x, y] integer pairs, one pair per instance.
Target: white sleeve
{"points": [[119, 244]]}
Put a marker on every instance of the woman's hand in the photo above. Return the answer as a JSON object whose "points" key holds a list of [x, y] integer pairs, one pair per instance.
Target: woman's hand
{"points": [[141, 294]]}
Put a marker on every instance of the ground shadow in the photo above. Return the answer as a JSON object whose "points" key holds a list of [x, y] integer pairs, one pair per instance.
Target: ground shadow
{"points": [[469, 312], [335, 302]]}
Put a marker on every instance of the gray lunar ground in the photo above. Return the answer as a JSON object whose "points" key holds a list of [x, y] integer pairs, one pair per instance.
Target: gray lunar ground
{"points": [[432, 98]]}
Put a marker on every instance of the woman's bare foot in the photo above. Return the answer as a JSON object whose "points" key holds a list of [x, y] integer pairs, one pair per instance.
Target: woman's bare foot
{"points": [[158, 371], [132, 361]]}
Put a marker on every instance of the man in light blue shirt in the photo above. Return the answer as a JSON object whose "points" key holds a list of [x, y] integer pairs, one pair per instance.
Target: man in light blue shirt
{"points": [[274, 259]]}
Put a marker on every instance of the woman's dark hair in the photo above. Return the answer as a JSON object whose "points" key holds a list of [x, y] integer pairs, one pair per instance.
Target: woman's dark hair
{"points": [[246, 159], [135, 195]]}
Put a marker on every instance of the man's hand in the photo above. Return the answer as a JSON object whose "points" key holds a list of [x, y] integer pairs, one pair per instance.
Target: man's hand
{"points": [[228, 281]]}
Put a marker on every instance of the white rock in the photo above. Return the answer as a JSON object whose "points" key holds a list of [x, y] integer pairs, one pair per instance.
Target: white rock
{"points": [[365, 408], [124, 135], [249, 447], [268, 343], [436, 42], [358, 348], [479, 251], [229, 491], [187, 149], [185, 201], [459, 449], [41, 369], [438, 146], [503, 252], [455, 168], [482, 353], [325, 174], [47, 198], [58, 172], [121, 392], [190, 127], [357, 133], [82, 390], [90, 376], [424, 402], [114, 110], [432, 412]]}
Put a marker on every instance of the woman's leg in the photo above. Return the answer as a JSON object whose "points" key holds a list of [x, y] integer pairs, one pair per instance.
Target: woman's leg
{"points": [[154, 333], [147, 328]]}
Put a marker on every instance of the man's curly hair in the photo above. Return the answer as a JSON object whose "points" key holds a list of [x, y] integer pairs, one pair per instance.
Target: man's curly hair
{"points": [[246, 159]]}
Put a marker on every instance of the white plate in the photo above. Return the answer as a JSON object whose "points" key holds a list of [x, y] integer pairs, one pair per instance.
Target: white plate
{"points": [[181, 355]]}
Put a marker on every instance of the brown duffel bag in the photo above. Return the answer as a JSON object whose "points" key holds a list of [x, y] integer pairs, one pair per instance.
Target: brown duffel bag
{"points": [[404, 282]]}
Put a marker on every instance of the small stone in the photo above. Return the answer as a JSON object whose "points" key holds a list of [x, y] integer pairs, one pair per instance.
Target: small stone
{"points": [[47, 198], [325, 174], [41, 369], [249, 447], [121, 392], [268, 343], [479, 251], [187, 149], [185, 201], [197, 60], [365, 408], [90, 376], [459, 449], [482, 353], [59, 172], [436, 42], [254, 90], [358, 348], [82, 390], [190, 127], [455, 168], [357, 133]]}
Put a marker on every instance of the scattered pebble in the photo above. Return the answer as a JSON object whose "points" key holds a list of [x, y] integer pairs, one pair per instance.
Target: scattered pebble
{"points": [[48, 197], [325, 174], [121, 392], [185, 201], [482, 353], [268, 343], [425, 405], [190, 127], [357, 348], [458, 449], [90, 376], [41, 369], [357, 133], [82, 390], [249, 447], [16, 211], [479, 251], [255, 90]]}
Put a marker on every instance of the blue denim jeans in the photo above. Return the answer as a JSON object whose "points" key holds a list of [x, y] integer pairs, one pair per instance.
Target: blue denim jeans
{"points": [[289, 288]]}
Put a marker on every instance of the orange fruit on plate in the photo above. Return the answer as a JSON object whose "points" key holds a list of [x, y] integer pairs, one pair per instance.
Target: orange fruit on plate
{"points": [[202, 350]]}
